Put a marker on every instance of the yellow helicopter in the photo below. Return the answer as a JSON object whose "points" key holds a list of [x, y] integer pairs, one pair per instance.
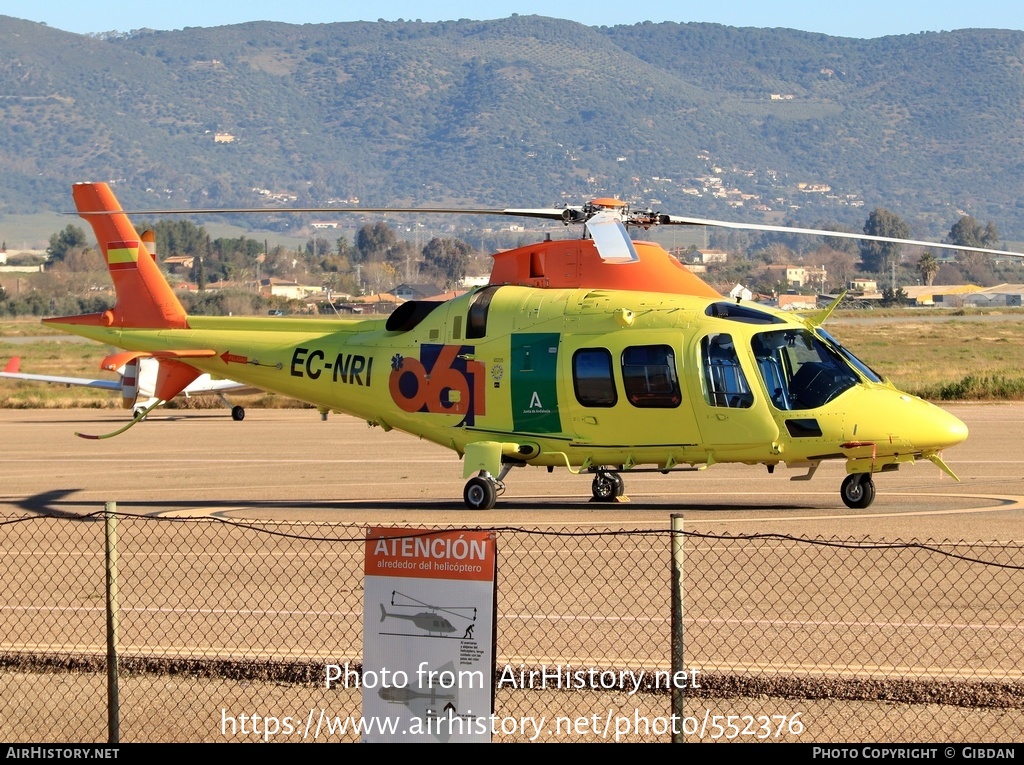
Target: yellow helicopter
{"points": [[599, 354]]}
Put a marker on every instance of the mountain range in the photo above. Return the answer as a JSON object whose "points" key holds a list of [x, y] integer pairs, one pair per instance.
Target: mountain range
{"points": [[770, 125]]}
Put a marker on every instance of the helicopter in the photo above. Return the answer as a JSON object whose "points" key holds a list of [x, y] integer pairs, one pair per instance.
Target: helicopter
{"points": [[428, 703], [599, 354], [431, 620]]}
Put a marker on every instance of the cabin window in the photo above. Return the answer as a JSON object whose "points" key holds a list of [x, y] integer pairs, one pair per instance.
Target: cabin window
{"points": [[649, 377], [800, 370], [592, 377], [724, 381]]}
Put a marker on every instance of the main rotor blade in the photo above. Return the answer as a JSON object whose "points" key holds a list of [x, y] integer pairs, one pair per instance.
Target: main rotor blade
{"points": [[269, 210], [677, 220], [567, 214]]}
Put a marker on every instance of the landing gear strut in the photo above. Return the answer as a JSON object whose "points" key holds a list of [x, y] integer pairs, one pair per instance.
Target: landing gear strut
{"points": [[480, 493], [607, 486], [483, 490], [858, 490]]}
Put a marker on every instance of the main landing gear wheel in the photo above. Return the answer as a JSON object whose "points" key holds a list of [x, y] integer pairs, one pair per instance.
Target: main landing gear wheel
{"points": [[607, 486], [237, 413], [858, 490], [481, 493]]}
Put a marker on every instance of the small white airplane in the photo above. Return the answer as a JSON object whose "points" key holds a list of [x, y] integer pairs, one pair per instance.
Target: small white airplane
{"points": [[138, 374]]}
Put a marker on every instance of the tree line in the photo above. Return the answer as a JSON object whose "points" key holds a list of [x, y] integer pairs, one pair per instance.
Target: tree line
{"points": [[891, 264], [75, 279]]}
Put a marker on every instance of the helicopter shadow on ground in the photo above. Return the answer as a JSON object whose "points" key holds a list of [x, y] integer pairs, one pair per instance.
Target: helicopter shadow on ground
{"points": [[60, 503], [672, 504]]}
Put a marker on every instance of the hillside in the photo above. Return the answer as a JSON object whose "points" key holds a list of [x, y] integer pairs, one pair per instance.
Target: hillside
{"points": [[699, 119]]}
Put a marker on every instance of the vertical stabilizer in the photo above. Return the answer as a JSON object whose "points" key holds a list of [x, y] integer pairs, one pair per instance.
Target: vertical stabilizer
{"points": [[144, 298]]}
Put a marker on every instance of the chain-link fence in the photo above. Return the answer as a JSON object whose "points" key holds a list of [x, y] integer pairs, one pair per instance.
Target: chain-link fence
{"points": [[225, 630]]}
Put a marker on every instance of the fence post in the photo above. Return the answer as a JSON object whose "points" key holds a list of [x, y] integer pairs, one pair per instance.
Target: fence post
{"points": [[110, 557], [678, 666]]}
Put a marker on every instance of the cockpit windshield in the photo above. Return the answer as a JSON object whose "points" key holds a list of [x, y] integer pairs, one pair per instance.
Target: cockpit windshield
{"points": [[801, 370], [865, 370]]}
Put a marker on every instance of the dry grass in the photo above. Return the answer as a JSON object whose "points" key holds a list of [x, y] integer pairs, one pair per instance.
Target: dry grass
{"points": [[924, 356], [918, 353]]}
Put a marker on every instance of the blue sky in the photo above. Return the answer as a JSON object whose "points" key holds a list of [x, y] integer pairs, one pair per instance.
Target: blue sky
{"points": [[868, 18]]}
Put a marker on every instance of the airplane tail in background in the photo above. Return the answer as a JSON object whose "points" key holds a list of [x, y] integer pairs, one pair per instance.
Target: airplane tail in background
{"points": [[144, 298]]}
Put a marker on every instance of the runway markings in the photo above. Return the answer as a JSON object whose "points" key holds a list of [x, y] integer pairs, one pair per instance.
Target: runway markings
{"points": [[797, 624], [573, 502]]}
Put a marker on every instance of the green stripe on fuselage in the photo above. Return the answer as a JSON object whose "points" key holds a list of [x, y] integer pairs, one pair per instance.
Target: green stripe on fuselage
{"points": [[534, 382]]}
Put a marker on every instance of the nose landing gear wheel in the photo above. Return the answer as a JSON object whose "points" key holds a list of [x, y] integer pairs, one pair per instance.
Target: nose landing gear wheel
{"points": [[607, 486], [858, 490], [480, 493]]}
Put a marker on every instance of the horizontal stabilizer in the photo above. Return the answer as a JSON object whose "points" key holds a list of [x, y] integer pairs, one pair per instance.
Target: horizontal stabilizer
{"points": [[117, 360]]}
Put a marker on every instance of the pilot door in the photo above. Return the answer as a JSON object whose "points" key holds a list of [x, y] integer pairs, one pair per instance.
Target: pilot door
{"points": [[731, 414]]}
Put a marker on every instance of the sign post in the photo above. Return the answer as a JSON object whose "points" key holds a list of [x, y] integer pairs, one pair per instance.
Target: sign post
{"points": [[428, 642]]}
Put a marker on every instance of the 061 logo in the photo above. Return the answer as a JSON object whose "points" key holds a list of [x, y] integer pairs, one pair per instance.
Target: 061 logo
{"points": [[441, 381]]}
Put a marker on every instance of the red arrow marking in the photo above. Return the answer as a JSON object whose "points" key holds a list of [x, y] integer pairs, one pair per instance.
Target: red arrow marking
{"points": [[227, 357]]}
